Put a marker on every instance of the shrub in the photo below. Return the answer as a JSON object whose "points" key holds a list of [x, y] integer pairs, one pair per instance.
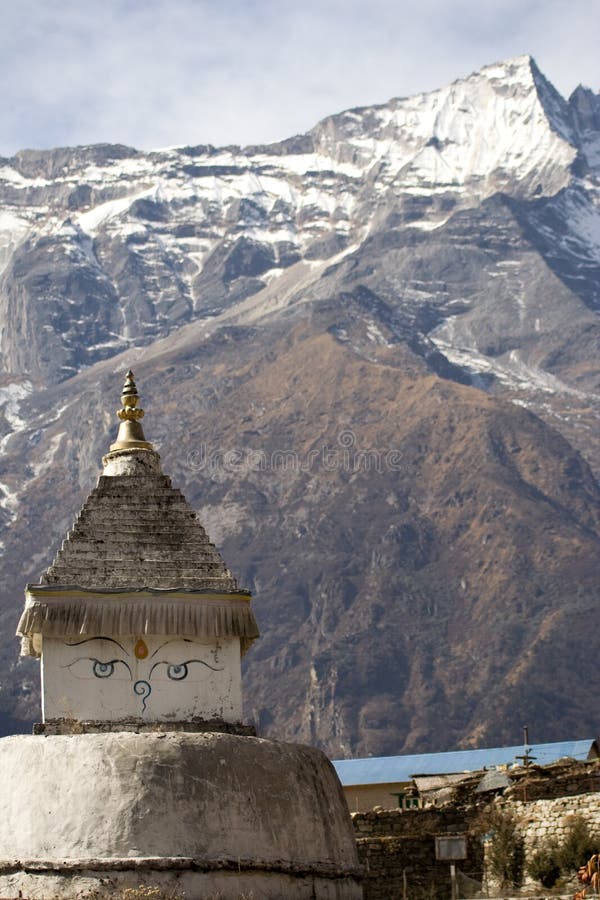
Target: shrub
{"points": [[543, 865], [577, 846], [505, 856]]}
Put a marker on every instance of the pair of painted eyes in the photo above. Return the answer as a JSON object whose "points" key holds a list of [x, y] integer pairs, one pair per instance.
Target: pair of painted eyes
{"points": [[106, 669]]}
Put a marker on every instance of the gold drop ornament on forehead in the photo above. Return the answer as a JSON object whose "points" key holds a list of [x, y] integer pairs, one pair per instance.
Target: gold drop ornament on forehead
{"points": [[141, 649]]}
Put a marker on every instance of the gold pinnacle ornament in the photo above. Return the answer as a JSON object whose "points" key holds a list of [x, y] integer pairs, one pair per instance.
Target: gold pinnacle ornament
{"points": [[131, 434]]}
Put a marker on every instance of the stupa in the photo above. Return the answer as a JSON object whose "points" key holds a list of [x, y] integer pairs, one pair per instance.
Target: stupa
{"points": [[142, 771]]}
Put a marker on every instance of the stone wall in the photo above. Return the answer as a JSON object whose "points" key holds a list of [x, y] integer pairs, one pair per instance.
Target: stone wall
{"points": [[542, 819], [397, 850]]}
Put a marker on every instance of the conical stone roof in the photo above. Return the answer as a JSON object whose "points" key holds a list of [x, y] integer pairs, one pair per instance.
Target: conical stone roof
{"points": [[137, 531]]}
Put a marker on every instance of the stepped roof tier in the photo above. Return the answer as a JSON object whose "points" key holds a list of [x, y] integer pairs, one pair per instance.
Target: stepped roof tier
{"points": [[138, 531]]}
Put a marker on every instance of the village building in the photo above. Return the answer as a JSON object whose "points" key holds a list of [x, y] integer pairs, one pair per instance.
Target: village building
{"points": [[416, 780], [142, 771]]}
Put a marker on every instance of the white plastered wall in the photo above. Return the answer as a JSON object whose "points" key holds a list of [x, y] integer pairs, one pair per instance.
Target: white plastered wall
{"points": [[153, 678]]}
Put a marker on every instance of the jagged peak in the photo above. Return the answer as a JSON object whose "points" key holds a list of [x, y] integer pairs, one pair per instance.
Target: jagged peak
{"points": [[500, 124], [523, 72], [556, 107], [523, 65], [585, 109], [583, 90], [519, 71]]}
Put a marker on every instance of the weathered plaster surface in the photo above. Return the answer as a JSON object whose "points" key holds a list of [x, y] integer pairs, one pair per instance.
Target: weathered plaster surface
{"points": [[116, 678], [187, 884], [225, 812], [131, 462]]}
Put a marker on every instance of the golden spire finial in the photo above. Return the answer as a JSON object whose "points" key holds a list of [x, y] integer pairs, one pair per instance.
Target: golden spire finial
{"points": [[131, 433], [129, 399]]}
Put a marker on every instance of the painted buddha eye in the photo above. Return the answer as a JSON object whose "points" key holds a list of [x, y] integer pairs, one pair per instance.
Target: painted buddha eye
{"points": [[103, 670], [117, 669], [177, 672]]}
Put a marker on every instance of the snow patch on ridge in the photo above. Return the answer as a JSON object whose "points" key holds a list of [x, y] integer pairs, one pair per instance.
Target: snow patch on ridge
{"points": [[48, 457], [510, 370], [583, 216], [91, 221], [13, 229], [10, 397]]}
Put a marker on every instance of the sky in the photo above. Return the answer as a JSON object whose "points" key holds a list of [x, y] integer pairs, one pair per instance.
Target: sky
{"points": [[158, 73]]}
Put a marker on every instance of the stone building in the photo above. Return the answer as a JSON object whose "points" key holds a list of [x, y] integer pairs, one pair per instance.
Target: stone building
{"points": [[142, 771], [410, 781]]}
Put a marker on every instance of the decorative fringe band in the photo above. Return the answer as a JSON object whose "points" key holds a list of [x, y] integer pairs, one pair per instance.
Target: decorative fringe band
{"points": [[198, 618]]}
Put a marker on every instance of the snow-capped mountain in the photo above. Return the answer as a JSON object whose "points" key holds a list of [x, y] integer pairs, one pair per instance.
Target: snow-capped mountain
{"points": [[105, 247], [449, 240]]}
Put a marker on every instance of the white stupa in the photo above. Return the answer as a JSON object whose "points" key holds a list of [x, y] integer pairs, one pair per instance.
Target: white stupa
{"points": [[142, 771]]}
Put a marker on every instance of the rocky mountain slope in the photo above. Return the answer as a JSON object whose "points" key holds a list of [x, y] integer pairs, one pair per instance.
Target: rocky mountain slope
{"points": [[369, 356]]}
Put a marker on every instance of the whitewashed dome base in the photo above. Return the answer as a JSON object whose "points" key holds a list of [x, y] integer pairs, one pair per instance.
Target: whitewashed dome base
{"points": [[196, 814]]}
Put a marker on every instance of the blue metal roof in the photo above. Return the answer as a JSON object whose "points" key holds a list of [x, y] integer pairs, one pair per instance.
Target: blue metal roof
{"points": [[392, 769]]}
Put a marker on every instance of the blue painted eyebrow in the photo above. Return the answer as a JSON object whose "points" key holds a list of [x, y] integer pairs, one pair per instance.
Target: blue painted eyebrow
{"points": [[87, 640]]}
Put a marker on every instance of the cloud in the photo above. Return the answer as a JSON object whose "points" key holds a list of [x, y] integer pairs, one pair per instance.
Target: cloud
{"points": [[169, 72]]}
